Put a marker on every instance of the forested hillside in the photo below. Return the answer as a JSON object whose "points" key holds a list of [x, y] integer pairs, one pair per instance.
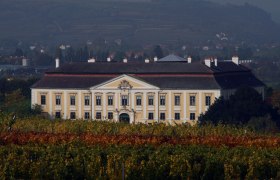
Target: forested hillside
{"points": [[271, 6], [133, 22]]}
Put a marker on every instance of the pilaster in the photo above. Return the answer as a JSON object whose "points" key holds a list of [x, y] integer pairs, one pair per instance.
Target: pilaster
{"points": [[170, 107], [92, 106], [156, 106], [145, 106], [185, 107], [50, 104], [104, 109], [80, 104], [200, 103], [65, 104]]}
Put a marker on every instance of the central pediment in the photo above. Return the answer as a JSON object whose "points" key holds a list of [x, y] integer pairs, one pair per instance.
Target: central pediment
{"points": [[125, 82]]}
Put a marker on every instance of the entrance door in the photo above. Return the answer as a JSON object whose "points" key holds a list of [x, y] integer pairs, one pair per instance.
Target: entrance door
{"points": [[124, 118]]}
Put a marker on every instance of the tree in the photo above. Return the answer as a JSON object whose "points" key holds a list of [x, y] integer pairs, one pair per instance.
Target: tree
{"points": [[239, 108], [85, 55], [42, 59], [19, 105], [245, 53], [119, 56], [275, 100], [158, 51], [18, 52], [70, 54]]}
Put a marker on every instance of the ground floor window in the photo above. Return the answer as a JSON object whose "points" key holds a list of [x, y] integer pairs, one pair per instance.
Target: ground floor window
{"points": [[162, 116], [72, 115], [98, 115], [177, 116], [151, 116], [110, 115], [57, 115], [87, 115], [43, 99], [192, 116], [208, 100]]}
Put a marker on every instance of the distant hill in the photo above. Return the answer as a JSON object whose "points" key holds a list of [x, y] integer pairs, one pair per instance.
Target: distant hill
{"points": [[134, 21], [271, 6]]}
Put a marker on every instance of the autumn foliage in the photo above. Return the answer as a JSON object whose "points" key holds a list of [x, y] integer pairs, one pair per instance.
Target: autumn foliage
{"points": [[35, 148], [16, 138]]}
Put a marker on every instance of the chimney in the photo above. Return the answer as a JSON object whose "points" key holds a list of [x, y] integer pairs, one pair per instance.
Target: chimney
{"points": [[24, 62], [189, 59], [235, 60], [147, 61], [108, 59], [207, 62], [91, 60], [124, 60], [155, 59], [57, 63], [216, 61]]}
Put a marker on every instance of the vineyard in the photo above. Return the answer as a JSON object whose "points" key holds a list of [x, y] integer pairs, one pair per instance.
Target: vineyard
{"points": [[36, 148]]}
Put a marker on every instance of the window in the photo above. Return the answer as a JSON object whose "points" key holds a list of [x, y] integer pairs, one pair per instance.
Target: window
{"points": [[177, 100], [98, 100], [177, 116], [192, 116], [124, 100], [138, 100], [208, 100], [43, 99], [57, 99], [87, 100], [110, 100], [110, 115], [192, 100], [57, 115], [162, 116], [162, 100], [151, 116], [72, 115], [72, 100], [150, 100], [98, 115], [87, 115]]}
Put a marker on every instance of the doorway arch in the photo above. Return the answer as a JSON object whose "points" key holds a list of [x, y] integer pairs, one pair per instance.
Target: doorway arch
{"points": [[124, 118]]}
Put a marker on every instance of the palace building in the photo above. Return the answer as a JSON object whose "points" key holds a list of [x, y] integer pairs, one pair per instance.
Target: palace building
{"points": [[171, 90]]}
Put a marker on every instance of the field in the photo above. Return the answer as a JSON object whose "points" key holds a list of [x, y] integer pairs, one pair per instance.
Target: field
{"points": [[35, 148]]}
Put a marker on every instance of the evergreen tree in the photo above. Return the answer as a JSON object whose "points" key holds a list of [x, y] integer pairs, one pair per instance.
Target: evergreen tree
{"points": [[85, 54], [58, 53], [239, 108], [18, 52], [119, 56], [70, 54], [158, 51]]}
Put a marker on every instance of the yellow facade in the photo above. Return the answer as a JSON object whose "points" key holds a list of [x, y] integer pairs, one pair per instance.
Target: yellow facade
{"points": [[120, 89]]}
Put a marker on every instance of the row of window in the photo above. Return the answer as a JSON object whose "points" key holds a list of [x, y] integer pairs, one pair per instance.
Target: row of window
{"points": [[86, 115], [125, 100], [176, 116], [110, 115]]}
